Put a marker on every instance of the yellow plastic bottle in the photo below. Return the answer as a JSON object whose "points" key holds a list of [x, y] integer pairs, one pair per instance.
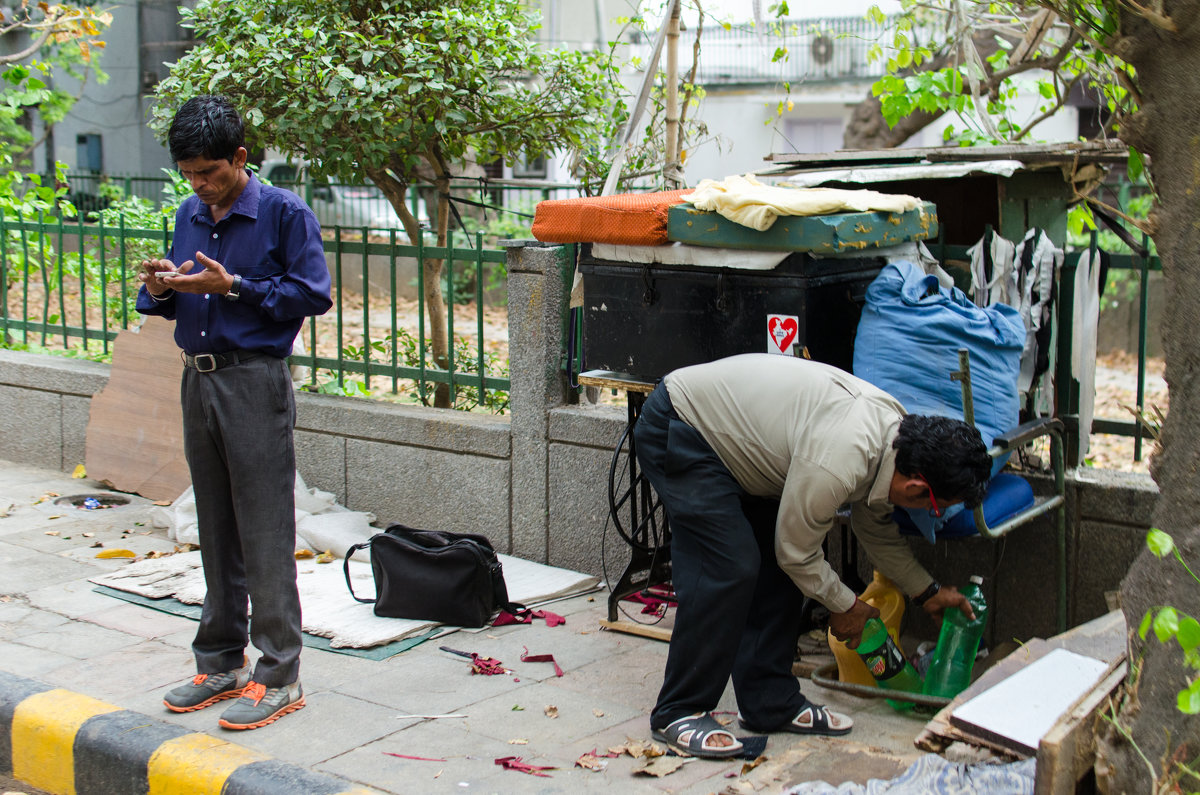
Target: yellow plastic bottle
{"points": [[883, 595]]}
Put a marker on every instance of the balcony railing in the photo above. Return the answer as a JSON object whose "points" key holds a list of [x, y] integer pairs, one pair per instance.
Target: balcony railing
{"points": [[815, 50]]}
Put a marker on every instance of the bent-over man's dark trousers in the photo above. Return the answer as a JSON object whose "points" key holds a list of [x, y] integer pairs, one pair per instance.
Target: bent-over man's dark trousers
{"points": [[738, 612], [237, 430]]}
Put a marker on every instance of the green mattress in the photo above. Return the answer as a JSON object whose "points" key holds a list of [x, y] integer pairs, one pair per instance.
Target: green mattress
{"points": [[819, 234]]}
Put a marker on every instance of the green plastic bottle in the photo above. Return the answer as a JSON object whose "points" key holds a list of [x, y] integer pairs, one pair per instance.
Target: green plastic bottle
{"points": [[954, 658], [887, 663]]}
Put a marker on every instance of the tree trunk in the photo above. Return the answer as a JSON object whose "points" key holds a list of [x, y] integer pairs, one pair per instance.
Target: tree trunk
{"points": [[1159, 735], [435, 304], [867, 129]]}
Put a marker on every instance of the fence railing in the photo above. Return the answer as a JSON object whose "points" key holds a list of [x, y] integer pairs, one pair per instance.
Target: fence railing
{"points": [[351, 205], [72, 285], [791, 50]]}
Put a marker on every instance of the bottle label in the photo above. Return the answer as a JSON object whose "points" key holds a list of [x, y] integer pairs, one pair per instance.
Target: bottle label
{"points": [[885, 662]]}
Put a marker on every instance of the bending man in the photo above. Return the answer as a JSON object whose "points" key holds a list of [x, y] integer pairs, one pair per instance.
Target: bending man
{"points": [[752, 457]]}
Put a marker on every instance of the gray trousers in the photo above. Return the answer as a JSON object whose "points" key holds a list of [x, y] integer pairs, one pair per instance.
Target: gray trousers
{"points": [[237, 430]]}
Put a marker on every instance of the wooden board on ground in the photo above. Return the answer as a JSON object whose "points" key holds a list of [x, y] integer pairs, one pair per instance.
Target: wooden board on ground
{"points": [[1068, 750], [653, 631], [1019, 711], [135, 425]]}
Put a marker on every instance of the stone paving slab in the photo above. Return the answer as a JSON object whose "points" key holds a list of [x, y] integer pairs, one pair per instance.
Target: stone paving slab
{"points": [[54, 628]]}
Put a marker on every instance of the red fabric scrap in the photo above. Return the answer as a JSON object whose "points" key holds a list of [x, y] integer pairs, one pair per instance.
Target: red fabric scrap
{"points": [[487, 666], [527, 657], [649, 604], [418, 758], [515, 763], [527, 617]]}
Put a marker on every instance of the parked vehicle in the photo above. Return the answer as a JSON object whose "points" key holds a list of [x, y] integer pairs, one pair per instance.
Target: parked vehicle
{"points": [[336, 204]]}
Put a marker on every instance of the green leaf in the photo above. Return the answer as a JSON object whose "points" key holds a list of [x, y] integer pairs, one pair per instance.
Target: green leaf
{"points": [[1166, 624], [1135, 168], [1144, 627], [1189, 699], [1189, 633], [1159, 542]]}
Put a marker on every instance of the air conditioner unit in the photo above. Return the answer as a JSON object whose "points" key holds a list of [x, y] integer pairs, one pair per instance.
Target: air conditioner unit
{"points": [[821, 49]]}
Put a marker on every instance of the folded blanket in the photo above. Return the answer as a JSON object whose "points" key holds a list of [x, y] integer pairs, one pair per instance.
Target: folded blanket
{"points": [[746, 201]]}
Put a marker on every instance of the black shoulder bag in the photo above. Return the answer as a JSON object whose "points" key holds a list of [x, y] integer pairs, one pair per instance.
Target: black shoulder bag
{"points": [[429, 575]]}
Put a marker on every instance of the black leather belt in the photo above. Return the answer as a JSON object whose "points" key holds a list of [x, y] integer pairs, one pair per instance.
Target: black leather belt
{"points": [[207, 362]]}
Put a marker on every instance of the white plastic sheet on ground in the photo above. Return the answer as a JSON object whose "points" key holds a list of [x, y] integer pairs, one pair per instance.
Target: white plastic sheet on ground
{"points": [[321, 523]]}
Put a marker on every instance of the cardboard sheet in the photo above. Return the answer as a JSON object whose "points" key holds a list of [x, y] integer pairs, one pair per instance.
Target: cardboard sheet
{"points": [[135, 425], [328, 609]]}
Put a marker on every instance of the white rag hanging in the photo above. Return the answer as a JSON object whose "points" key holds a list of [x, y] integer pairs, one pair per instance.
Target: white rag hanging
{"points": [[1037, 261], [993, 277], [1086, 314]]}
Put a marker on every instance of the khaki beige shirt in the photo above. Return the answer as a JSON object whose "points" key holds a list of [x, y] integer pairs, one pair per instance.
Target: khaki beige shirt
{"points": [[816, 438]]}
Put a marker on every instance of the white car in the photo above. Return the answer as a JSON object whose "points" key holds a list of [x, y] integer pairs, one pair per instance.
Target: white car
{"points": [[335, 204]]}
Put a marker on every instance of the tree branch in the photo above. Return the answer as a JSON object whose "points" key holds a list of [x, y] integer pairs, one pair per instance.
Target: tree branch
{"points": [[32, 49], [1062, 99]]}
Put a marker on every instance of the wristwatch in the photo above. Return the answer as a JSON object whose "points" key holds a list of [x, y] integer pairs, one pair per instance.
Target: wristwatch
{"points": [[924, 596], [235, 291]]}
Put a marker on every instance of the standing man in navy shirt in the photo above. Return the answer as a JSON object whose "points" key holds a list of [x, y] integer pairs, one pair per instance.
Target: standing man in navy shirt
{"points": [[251, 268]]}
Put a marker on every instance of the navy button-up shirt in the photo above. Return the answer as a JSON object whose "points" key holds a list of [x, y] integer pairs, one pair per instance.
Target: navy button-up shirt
{"points": [[272, 240]]}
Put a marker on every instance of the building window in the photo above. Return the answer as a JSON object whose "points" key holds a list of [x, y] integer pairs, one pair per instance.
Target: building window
{"points": [[89, 153]]}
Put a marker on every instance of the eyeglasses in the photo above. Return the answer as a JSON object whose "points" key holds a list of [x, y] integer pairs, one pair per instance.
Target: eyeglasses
{"points": [[933, 506]]}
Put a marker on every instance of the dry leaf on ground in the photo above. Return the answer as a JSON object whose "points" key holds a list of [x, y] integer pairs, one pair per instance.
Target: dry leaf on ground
{"points": [[591, 762], [660, 766], [551, 711]]}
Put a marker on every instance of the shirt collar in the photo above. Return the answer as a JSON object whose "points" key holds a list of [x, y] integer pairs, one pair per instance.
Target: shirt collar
{"points": [[887, 468], [245, 204]]}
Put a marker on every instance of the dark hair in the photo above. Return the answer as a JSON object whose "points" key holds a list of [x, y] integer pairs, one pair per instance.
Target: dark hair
{"points": [[207, 126], [948, 453]]}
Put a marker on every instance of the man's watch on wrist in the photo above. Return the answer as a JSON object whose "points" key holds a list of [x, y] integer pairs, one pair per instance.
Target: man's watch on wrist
{"points": [[235, 291], [924, 596]]}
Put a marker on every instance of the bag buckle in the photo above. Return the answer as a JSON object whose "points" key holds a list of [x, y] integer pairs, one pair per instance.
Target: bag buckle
{"points": [[208, 358]]}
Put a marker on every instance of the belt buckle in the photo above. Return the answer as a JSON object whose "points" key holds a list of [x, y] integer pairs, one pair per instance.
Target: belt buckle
{"points": [[206, 357]]}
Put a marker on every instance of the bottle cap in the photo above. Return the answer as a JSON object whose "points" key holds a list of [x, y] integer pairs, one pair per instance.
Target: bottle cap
{"points": [[975, 578]]}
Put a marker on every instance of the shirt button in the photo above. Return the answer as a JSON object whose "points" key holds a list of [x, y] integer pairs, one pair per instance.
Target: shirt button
{"points": [[203, 333], [206, 296], [214, 235]]}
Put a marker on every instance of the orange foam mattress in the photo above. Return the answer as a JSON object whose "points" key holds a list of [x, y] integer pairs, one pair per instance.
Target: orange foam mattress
{"points": [[630, 219]]}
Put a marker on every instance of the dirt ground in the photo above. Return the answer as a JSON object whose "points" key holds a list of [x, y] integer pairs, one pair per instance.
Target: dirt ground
{"points": [[1116, 389]]}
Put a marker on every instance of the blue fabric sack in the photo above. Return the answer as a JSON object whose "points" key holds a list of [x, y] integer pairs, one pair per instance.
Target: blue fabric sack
{"points": [[907, 345]]}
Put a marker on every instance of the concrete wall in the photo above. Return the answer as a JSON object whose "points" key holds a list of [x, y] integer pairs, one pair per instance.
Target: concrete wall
{"points": [[536, 481]]}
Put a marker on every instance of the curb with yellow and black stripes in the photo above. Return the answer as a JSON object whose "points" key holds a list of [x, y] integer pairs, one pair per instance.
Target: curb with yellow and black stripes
{"points": [[70, 744]]}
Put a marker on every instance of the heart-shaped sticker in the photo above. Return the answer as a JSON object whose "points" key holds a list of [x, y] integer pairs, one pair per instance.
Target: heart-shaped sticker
{"points": [[781, 333]]}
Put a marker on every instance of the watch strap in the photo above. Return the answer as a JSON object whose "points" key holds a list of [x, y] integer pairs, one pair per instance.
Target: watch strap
{"points": [[924, 596]]}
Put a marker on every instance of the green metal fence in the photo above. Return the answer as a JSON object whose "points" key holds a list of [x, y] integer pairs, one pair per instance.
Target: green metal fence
{"points": [[351, 205], [72, 286]]}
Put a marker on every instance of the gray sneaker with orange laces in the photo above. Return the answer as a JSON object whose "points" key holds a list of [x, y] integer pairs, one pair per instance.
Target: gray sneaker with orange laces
{"points": [[260, 705], [207, 689]]}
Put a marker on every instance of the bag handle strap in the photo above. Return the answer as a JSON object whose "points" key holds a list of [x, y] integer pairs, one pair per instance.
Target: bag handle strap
{"points": [[346, 569]]}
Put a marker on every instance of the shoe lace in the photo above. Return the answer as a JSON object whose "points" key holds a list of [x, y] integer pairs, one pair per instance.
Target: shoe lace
{"points": [[199, 679], [255, 691]]}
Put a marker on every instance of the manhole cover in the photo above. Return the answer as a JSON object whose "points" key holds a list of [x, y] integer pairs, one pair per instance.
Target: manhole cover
{"points": [[93, 502]]}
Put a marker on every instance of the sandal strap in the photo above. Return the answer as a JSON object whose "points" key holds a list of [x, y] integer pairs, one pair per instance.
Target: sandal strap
{"points": [[702, 727]]}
